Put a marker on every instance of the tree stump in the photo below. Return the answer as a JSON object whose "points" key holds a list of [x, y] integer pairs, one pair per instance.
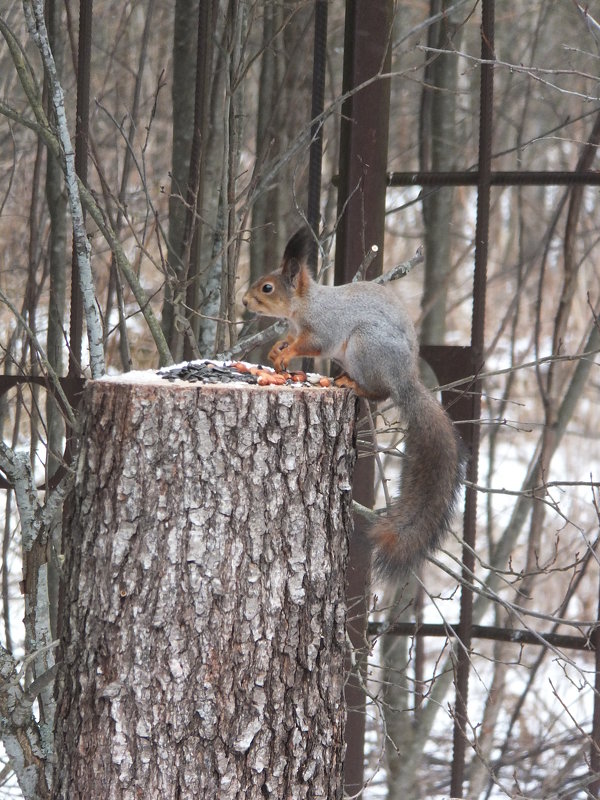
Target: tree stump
{"points": [[204, 612]]}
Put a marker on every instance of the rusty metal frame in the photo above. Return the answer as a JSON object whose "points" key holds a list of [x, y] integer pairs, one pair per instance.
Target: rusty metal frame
{"points": [[450, 364], [517, 636], [361, 218], [498, 178], [362, 184]]}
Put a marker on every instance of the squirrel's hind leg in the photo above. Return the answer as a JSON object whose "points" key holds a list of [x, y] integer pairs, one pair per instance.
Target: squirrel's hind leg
{"points": [[365, 369], [344, 381]]}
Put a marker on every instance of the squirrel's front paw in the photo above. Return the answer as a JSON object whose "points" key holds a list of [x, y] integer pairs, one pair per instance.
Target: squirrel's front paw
{"points": [[277, 355]]}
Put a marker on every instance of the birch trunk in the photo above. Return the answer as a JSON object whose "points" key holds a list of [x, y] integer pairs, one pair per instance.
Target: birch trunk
{"points": [[203, 629]]}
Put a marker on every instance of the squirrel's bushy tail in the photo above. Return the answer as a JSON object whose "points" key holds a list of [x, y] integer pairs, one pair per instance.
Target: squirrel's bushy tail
{"points": [[432, 471]]}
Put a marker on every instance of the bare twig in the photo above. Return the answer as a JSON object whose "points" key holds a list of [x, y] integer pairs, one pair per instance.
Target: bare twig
{"points": [[368, 259], [402, 269], [52, 376]]}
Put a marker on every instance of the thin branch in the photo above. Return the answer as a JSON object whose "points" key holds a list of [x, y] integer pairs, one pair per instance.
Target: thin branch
{"points": [[402, 269], [368, 259], [52, 376], [587, 353], [132, 279], [533, 72], [248, 343]]}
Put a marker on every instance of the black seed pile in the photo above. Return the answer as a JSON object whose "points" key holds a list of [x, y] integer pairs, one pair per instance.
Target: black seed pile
{"points": [[218, 372], [206, 372]]}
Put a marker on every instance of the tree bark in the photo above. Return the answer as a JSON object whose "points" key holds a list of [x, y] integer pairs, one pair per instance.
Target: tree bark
{"points": [[203, 619]]}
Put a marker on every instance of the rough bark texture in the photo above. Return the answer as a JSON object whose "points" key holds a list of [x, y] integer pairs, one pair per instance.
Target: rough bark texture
{"points": [[203, 627]]}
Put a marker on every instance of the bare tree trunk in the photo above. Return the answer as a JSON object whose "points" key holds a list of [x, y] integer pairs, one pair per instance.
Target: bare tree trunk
{"points": [[268, 241], [438, 141], [184, 67], [204, 614], [56, 197]]}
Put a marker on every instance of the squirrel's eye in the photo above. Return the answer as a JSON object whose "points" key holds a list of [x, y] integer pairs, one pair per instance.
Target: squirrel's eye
{"points": [[267, 288]]}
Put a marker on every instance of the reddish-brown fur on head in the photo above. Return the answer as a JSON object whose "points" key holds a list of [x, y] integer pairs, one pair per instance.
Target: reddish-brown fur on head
{"points": [[272, 294], [297, 276]]}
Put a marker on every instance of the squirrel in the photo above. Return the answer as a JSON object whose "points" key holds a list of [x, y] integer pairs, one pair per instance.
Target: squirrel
{"points": [[366, 330]]}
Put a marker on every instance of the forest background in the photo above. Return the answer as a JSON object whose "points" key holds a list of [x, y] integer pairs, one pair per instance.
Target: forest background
{"points": [[193, 191]]}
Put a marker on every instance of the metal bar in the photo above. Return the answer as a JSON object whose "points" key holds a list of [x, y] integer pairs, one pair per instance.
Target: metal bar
{"points": [[363, 137], [451, 363], [513, 635], [361, 215], [477, 344], [500, 178]]}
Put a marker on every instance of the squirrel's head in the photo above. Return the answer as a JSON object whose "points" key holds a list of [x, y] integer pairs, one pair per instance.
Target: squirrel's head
{"points": [[274, 293]]}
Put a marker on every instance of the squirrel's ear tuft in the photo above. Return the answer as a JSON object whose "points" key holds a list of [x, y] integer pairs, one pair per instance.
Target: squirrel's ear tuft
{"points": [[299, 246], [290, 271]]}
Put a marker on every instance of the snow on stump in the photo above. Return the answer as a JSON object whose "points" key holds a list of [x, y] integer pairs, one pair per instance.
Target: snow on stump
{"points": [[204, 613]]}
